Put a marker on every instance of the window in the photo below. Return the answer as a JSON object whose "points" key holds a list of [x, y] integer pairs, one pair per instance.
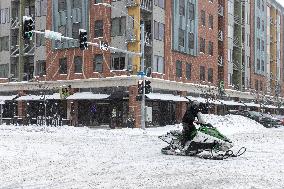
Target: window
{"points": [[210, 75], [258, 64], [190, 40], [188, 71], [181, 37], [159, 31], [40, 40], [75, 30], [262, 5], [99, 28], [211, 21], [158, 64], [262, 45], [76, 4], [262, 65], [210, 48], [258, 4], [258, 23], [62, 5], [202, 73], [178, 68], [118, 26], [4, 70], [202, 45], [203, 18], [118, 63], [260, 86], [256, 85], [40, 67], [258, 43], [181, 7], [98, 63], [63, 66], [262, 25], [160, 3], [190, 11], [4, 43], [78, 63]]}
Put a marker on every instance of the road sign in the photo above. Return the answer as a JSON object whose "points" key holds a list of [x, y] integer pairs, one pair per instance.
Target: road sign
{"points": [[104, 46]]}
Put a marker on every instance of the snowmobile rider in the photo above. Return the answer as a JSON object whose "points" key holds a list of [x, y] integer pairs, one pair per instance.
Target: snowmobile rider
{"points": [[193, 110]]}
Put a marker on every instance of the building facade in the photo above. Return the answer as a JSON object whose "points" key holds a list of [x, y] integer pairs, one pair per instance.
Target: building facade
{"points": [[221, 49]]}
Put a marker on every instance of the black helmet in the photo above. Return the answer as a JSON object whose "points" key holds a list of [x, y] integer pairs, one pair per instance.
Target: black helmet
{"points": [[195, 104]]}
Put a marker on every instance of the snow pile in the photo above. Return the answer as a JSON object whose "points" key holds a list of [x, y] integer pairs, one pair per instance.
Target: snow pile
{"points": [[233, 124]]}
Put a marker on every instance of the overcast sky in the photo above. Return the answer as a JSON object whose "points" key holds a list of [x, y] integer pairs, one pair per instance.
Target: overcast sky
{"points": [[281, 2]]}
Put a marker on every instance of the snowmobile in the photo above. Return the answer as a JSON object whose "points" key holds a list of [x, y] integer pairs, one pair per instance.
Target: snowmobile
{"points": [[205, 138]]}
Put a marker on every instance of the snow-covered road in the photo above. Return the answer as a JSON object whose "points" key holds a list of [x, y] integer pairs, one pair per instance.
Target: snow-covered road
{"points": [[66, 157]]}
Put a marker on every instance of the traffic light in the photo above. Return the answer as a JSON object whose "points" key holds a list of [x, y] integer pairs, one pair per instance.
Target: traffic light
{"points": [[148, 87], [28, 27], [83, 39], [140, 87]]}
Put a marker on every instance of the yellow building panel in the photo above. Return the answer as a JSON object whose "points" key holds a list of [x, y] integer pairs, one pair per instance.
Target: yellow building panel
{"points": [[134, 12]]}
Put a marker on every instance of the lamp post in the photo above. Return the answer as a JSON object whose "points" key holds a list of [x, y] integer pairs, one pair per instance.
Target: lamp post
{"points": [[141, 54]]}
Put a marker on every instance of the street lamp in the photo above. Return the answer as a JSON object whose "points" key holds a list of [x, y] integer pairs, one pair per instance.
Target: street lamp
{"points": [[142, 67]]}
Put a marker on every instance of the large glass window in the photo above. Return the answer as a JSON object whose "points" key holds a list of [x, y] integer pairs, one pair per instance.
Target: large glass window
{"points": [[181, 37], [118, 63], [98, 63], [118, 26], [63, 66], [202, 73], [99, 28], [190, 11], [78, 64], [178, 68]]}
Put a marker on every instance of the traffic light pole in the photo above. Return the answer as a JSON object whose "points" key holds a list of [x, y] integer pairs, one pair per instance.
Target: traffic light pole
{"points": [[21, 42], [142, 69]]}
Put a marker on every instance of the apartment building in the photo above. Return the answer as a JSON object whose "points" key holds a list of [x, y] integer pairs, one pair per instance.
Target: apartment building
{"points": [[21, 62]]}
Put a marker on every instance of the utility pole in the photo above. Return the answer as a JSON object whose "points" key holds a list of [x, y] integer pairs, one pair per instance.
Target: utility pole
{"points": [[142, 70], [21, 42]]}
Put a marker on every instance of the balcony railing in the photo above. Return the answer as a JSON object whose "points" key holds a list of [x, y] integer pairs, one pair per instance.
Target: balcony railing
{"points": [[236, 65], [220, 61], [237, 19], [148, 39], [236, 42], [220, 10], [146, 4], [220, 35], [15, 23]]}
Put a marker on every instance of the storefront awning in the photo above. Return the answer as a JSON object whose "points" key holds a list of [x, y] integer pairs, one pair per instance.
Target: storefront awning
{"points": [[232, 103], [252, 105], [166, 97], [204, 100], [87, 96], [7, 98], [30, 98], [270, 106]]}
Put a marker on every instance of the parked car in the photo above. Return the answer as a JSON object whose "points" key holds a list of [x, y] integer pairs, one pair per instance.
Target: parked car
{"points": [[266, 120]]}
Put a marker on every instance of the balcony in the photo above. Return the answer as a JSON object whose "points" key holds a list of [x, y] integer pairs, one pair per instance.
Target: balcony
{"points": [[220, 61], [220, 10], [220, 35], [236, 42], [236, 65], [146, 5], [237, 19], [15, 23], [148, 39]]}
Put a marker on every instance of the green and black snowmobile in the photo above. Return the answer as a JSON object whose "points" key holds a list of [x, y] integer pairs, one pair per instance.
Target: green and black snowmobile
{"points": [[205, 138]]}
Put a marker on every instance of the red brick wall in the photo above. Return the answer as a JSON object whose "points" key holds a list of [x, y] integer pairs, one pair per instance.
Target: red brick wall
{"points": [[202, 59], [53, 56]]}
